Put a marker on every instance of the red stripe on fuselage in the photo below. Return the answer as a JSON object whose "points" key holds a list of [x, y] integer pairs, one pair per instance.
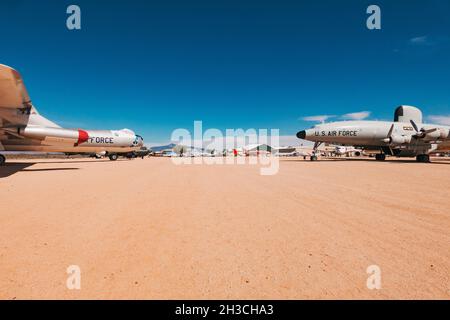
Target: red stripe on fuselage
{"points": [[83, 136]]}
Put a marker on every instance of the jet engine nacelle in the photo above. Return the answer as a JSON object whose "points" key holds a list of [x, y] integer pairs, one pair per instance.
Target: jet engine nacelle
{"points": [[43, 132]]}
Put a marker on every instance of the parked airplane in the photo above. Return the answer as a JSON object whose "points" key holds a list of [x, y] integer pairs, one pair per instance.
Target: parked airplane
{"points": [[22, 128], [348, 151], [407, 136]]}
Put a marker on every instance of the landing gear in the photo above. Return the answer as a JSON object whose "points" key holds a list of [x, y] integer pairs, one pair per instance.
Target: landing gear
{"points": [[113, 157], [316, 146], [380, 157], [2, 159], [131, 155], [423, 158]]}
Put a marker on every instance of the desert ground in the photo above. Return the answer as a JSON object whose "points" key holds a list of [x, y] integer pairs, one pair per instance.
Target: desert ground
{"points": [[149, 229]]}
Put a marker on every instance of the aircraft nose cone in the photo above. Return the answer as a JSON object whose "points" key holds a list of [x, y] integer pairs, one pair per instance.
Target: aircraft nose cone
{"points": [[138, 141], [301, 134]]}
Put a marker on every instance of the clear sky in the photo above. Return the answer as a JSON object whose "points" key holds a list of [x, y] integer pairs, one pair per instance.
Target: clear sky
{"points": [[154, 66]]}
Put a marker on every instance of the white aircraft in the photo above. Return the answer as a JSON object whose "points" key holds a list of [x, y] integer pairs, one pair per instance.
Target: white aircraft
{"points": [[406, 136], [22, 128], [348, 151]]}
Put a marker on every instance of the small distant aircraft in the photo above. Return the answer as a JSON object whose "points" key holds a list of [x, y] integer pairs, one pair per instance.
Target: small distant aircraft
{"points": [[22, 128], [348, 151], [406, 136]]}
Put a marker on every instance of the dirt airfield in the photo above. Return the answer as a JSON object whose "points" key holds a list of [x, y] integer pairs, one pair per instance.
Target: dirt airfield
{"points": [[148, 229]]}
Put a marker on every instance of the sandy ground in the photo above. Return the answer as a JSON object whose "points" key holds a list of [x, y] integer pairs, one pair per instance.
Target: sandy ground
{"points": [[150, 229]]}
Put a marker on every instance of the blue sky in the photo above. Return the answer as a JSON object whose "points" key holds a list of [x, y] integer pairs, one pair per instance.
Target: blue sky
{"points": [[154, 66]]}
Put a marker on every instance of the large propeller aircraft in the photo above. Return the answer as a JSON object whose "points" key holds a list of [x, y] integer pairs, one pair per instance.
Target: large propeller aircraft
{"points": [[22, 128], [406, 136]]}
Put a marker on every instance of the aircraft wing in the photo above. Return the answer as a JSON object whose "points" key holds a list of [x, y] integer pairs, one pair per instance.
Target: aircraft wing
{"points": [[13, 93]]}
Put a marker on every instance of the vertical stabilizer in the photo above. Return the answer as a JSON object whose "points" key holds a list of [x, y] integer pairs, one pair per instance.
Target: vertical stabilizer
{"points": [[408, 113]]}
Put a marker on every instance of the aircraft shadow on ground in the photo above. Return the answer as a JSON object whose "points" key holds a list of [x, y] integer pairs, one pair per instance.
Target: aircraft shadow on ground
{"points": [[390, 161], [81, 161], [11, 168], [433, 161]]}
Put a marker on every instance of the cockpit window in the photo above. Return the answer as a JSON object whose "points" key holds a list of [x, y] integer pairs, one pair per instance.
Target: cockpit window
{"points": [[137, 139]]}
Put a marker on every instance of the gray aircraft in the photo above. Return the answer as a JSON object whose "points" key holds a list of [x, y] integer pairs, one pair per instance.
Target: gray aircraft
{"points": [[406, 136], [22, 128]]}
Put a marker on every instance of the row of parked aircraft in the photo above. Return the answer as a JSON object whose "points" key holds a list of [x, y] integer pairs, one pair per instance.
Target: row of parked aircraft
{"points": [[22, 128]]}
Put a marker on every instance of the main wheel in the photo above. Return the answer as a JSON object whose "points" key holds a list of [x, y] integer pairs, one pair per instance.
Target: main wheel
{"points": [[313, 158], [423, 158], [113, 157], [2, 159], [380, 157]]}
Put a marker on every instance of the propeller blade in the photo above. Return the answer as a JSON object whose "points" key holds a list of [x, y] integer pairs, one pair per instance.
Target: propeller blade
{"points": [[390, 131], [429, 130], [414, 125], [422, 132], [388, 138]]}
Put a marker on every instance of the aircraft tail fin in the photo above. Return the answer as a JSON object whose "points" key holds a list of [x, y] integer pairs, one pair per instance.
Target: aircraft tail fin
{"points": [[13, 93], [408, 113]]}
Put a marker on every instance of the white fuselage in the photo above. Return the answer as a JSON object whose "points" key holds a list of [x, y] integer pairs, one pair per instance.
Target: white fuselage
{"points": [[376, 134], [32, 132]]}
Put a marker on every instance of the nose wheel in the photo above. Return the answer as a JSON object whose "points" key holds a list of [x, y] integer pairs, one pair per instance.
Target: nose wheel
{"points": [[380, 157], [314, 152], [2, 160]]}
